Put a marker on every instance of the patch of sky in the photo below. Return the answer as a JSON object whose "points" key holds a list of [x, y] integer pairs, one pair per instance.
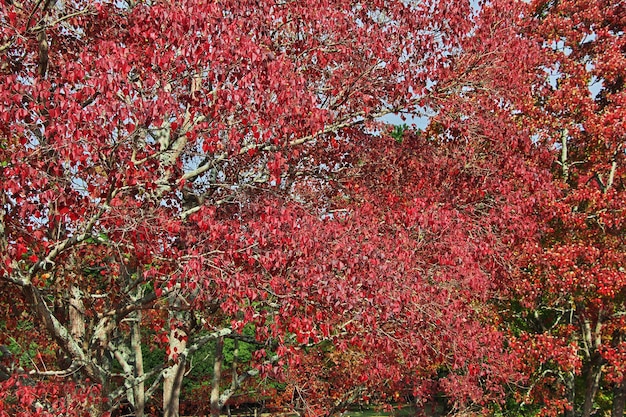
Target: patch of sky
{"points": [[595, 86], [415, 120], [559, 45], [588, 37], [553, 75]]}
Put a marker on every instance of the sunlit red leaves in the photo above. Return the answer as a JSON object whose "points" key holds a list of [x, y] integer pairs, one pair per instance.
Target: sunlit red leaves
{"points": [[398, 267], [543, 359], [577, 269], [392, 251], [615, 357]]}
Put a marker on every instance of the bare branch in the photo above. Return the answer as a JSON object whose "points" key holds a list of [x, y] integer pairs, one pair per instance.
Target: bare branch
{"points": [[61, 19], [355, 119], [225, 396], [66, 244], [74, 367]]}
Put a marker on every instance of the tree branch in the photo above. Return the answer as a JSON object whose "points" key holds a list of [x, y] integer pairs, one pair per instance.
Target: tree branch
{"points": [[225, 396], [355, 119], [61, 334], [62, 246], [60, 19]]}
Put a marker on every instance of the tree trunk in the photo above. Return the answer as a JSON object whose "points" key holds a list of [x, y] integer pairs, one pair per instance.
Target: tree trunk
{"points": [[77, 315], [217, 376], [619, 399], [173, 375], [61, 334], [592, 383], [139, 388]]}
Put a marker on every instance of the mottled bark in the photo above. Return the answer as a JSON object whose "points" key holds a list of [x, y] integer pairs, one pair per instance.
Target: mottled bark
{"points": [[173, 375], [139, 393], [61, 334], [217, 376], [77, 315]]}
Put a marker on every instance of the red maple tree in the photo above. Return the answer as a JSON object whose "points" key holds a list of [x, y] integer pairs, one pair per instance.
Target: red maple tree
{"points": [[573, 286]]}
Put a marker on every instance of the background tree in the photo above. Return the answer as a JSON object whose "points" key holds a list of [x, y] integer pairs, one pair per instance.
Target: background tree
{"points": [[574, 283]]}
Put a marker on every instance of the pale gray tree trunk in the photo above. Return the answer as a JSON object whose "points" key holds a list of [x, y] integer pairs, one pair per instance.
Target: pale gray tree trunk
{"points": [[139, 392], [217, 377], [77, 315], [570, 378], [174, 373]]}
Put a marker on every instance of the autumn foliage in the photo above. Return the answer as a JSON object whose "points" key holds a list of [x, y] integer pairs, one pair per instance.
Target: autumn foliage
{"points": [[179, 176], [21, 398]]}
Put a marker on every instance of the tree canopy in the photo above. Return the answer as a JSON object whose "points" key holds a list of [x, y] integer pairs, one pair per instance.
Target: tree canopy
{"points": [[179, 176]]}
